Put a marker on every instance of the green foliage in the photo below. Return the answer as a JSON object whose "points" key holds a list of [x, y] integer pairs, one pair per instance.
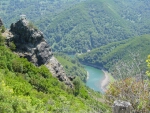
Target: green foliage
{"points": [[101, 23], [77, 84], [2, 39], [10, 102], [131, 90], [34, 12], [66, 30], [32, 26], [2, 29], [12, 46], [97, 26], [148, 66]]}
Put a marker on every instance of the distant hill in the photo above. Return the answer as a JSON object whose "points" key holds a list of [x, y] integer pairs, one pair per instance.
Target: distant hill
{"points": [[95, 23], [77, 26], [10, 10], [107, 56]]}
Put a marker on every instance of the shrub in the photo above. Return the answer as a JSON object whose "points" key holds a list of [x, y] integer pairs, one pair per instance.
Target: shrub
{"points": [[30, 25], [2, 29], [131, 90], [2, 39], [12, 46]]}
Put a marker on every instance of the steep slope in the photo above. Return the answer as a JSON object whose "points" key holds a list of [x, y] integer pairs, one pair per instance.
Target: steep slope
{"points": [[72, 66], [107, 56]]}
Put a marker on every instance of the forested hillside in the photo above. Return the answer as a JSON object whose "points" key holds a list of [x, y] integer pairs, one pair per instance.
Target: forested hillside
{"points": [[10, 10], [94, 23], [86, 26], [107, 56], [79, 26]]}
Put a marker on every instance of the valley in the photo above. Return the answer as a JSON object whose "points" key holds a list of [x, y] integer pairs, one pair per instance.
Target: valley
{"points": [[53, 59]]}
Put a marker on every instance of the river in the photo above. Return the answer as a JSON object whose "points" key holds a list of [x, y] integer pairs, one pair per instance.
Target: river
{"points": [[95, 77]]}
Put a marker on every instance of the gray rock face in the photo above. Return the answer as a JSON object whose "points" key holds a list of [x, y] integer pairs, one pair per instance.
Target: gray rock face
{"points": [[122, 107], [56, 69], [30, 44], [1, 23]]}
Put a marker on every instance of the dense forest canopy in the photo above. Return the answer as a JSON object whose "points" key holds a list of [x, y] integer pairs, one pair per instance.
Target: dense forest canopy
{"points": [[107, 56], [92, 24], [10, 10]]}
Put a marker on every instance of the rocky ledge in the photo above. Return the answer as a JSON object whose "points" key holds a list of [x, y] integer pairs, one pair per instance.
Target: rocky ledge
{"points": [[1, 23], [30, 44]]}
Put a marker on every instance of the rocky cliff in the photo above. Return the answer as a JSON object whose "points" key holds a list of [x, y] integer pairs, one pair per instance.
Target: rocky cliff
{"points": [[1, 23], [30, 44]]}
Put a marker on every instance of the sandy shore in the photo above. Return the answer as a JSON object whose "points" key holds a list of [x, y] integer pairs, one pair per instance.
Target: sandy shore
{"points": [[105, 81], [87, 75]]}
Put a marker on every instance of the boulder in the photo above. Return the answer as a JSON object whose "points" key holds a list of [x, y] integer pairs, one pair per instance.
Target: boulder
{"points": [[57, 70], [122, 107]]}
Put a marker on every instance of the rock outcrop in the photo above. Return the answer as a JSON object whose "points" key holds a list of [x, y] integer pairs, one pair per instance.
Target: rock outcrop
{"points": [[57, 69], [1, 23], [122, 107], [30, 44]]}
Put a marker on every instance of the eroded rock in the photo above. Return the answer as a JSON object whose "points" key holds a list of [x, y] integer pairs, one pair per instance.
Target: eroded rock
{"points": [[121, 107], [1, 23], [30, 44]]}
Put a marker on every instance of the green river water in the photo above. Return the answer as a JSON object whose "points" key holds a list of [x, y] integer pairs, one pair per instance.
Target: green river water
{"points": [[95, 77]]}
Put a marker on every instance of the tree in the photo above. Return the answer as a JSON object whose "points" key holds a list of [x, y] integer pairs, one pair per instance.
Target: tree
{"points": [[12, 46], [77, 84], [148, 66], [2, 39]]}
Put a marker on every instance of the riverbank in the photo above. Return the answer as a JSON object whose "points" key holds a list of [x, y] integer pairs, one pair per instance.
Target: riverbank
{"points": [[102, 81], [87, 75], [105, 82]]}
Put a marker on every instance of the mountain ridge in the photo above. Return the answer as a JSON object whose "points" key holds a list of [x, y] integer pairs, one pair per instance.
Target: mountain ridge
{"points": [[107, 56]]}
